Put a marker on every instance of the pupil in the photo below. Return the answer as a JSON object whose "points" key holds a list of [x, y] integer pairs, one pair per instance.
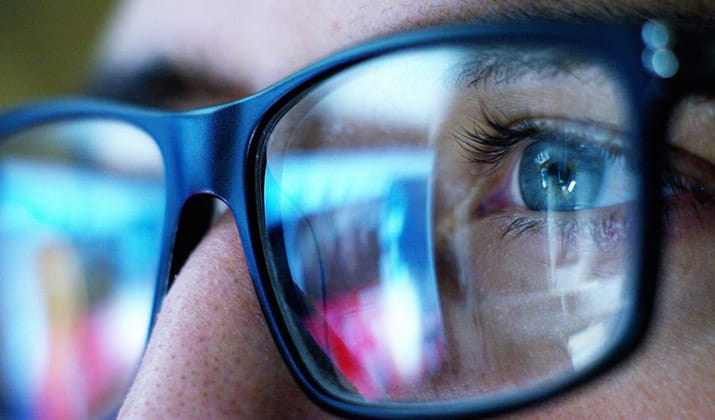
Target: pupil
{"points": [[557, 174]]}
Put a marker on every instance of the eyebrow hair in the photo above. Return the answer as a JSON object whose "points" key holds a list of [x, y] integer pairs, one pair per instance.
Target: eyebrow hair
{"points": [[504, 65]]}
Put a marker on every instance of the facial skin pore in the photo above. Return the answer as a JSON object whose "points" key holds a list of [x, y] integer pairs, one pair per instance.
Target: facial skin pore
{"points": [[210, 354]]}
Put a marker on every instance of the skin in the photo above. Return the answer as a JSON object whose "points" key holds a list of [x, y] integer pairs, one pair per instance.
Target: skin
{"points": [[210, 354]]}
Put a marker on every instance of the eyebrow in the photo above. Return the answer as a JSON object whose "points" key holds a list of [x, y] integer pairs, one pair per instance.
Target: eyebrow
{"points": [[156, 84], [505, 65]]}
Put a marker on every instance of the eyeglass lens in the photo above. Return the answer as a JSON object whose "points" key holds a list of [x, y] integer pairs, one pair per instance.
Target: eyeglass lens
{"points": [[81, 212], [456, 222]]}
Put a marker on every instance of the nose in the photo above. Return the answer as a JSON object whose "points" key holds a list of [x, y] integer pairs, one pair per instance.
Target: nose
{"points": [[210, 354]]}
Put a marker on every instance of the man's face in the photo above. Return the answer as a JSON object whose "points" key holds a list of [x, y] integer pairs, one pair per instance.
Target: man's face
{"points": [[211, 354]]}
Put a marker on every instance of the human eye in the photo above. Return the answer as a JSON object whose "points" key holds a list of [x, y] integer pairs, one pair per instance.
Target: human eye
{"points": [[575, 175], [580, 176]]}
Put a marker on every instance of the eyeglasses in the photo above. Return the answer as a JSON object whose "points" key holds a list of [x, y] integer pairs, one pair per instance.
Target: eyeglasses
{"points": [[455, 221]]}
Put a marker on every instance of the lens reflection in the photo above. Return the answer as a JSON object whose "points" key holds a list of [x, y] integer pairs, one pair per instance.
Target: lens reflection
{"points": [[81, 210], [456, 222]]}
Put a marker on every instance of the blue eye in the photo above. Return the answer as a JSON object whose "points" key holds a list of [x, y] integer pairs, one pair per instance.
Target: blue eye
{"points": [[561, 175]]}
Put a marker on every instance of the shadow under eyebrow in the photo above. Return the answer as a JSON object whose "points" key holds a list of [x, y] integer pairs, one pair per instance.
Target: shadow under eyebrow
{"points": [[156, 85]]}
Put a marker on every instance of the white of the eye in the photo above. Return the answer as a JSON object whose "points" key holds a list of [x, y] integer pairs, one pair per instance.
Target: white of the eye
{"points": [[619, 185]]}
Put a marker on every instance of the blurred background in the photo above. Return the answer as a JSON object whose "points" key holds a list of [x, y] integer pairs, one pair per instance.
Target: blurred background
{"points": [[75, 304], [46, 47]]}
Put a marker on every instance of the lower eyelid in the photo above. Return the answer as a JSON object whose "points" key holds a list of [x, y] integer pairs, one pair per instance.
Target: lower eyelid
{"points": [[603, 227], [560, 239]]}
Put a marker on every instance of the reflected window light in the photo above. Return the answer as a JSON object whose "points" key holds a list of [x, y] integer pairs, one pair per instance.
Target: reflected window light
{"points": [[403, 89], [657, 57], [115, 146], [308, 183], [404, 336], [585, 346]]}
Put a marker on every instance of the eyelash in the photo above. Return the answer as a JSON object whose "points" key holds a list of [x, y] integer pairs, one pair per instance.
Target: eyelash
{"points": [[674, 184], [490, 141]]}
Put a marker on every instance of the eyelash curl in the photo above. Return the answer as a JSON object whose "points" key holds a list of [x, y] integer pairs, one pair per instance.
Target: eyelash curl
{"points": [[489, 141]]}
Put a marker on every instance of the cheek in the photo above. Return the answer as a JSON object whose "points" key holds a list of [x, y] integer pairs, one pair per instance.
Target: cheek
{"points": [[687, 285], [672, 374], [523, 307]]}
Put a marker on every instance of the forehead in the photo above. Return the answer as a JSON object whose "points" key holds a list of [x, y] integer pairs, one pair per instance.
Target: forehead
{"points": [[252, 44]]}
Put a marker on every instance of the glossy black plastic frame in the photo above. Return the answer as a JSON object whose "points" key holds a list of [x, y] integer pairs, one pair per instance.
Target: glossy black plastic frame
{"points": [[220, 151]]}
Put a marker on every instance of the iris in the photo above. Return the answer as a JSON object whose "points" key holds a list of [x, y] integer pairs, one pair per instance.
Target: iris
{"points": [[561, 175]]}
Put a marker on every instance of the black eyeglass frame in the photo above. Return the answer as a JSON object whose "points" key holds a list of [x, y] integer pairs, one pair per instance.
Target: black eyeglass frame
{"points": [[220, 151]]}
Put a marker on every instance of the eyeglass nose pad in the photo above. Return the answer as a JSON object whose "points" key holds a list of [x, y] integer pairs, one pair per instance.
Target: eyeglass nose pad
{"points": [[197, 215]]}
